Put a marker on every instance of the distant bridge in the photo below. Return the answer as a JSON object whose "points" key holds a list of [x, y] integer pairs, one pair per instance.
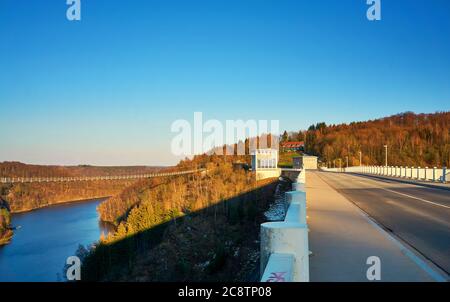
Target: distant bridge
{"points": [[12, 180]]}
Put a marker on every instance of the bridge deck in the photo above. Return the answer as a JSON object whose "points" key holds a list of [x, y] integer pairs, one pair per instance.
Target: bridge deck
{"points": [[12, 180]]}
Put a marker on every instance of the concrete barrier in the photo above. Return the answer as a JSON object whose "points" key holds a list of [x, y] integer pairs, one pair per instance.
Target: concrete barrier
{"points": [[296, 186], [284, 244]]}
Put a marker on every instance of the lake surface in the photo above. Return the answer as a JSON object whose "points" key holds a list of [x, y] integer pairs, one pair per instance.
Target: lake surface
{"points": [[46, 237]]}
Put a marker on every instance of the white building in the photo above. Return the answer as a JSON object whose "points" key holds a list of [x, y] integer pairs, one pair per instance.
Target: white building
{"points": [[265, 163]]}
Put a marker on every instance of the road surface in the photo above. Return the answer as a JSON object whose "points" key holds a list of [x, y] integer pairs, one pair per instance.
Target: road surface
{"points": [[418, 215]]}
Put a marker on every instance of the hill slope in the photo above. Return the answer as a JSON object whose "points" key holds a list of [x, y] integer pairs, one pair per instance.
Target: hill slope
{"points": [[201, 227], [29, 196], [412, 139]]}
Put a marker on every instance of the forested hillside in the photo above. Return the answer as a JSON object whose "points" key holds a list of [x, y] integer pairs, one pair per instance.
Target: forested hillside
{"points": [[412, 139], [153, 202], [166, 189], [29, 196], [18, 169], [5, 220], [193, 227]]}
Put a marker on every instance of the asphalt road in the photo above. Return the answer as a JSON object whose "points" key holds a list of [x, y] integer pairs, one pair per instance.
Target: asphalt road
{"points": [[418, 215]]}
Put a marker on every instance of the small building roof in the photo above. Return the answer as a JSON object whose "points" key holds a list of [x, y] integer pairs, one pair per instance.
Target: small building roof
{"points": [[292, 144], [264, 151]]}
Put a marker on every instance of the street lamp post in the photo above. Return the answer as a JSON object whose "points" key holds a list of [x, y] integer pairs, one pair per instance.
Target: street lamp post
{"points": [[360, 158], [386, 154]]}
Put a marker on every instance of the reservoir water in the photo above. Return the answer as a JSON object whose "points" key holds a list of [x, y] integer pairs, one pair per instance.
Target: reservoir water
{"points": [[46, 237]]}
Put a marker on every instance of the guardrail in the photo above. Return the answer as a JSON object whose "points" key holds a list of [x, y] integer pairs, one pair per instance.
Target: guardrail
{"points": [[427, 174], [284, 244], [13, 180]]}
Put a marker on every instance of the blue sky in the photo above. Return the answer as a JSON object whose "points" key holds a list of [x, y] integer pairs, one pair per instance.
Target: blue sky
{"points": [[105, 90]]}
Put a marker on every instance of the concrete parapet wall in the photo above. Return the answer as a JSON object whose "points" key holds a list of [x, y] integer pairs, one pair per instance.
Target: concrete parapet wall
{"points": [[267, 173], [284, 244], [292, 174]]}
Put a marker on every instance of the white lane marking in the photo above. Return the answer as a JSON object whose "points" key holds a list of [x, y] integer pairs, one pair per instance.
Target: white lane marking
{"points": [[418, 198], [410, 196]]}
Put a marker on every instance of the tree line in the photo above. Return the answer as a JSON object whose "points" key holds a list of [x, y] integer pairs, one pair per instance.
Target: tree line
{"points": [[18, 169], [412, 140], [29, 196]]}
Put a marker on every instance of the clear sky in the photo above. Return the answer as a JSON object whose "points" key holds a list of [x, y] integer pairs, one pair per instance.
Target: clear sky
{"points": [[106, 89]]}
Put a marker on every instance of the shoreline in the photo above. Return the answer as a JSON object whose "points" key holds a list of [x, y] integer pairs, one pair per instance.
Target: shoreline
{"points": [[59, 203], [6, 241]]}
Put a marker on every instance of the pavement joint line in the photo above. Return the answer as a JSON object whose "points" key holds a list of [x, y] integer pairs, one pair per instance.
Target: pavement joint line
{"points": [[433, 273]]}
